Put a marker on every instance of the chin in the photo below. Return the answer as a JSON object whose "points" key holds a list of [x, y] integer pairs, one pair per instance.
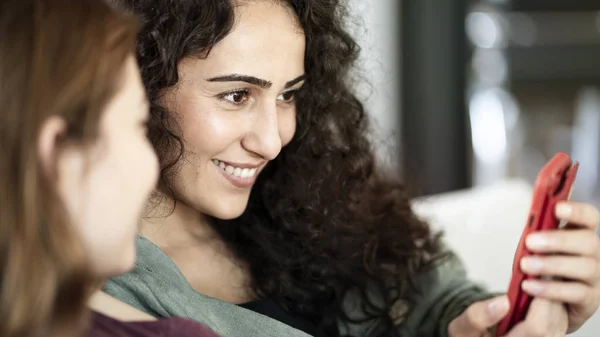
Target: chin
{"points": [[125, 266], [117, 264], [228, 214], [228, 208]]}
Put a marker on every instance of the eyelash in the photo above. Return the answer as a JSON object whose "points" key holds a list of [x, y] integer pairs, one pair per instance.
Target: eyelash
{"points": [[246, 92], [224, 96], [294, 92]]}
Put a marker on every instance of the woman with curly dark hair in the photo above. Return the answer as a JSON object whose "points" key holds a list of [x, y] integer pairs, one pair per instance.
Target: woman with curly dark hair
{"points": [[271, 200]]}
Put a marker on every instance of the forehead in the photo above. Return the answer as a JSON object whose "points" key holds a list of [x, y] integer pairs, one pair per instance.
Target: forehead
{"points": [[130, 95], [266, 41]]}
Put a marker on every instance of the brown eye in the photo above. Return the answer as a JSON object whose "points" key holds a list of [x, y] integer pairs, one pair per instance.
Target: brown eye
{"points": [[235, 97], [287, 97]]}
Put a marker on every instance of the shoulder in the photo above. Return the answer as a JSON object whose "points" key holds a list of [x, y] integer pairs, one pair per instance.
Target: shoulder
{"points": [[182, 327]]}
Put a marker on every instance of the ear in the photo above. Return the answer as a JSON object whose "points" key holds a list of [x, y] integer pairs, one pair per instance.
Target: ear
{"points": [[52, 131]]}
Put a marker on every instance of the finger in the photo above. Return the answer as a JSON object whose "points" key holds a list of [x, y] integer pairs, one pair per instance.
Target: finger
{"points": [[544, 318], [530, 327], [579, 214], [578, 268], [573, 293], [479, 317], [575, 242]]}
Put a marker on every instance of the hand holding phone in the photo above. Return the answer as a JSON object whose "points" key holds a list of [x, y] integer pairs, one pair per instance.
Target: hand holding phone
{"points": [[553, 184]]}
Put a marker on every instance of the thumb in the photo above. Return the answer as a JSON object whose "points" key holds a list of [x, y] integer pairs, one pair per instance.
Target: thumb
{"points": [[478, 317]]}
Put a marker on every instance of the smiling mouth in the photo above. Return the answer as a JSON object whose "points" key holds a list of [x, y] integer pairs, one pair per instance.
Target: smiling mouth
{"points": [[239, 172]]}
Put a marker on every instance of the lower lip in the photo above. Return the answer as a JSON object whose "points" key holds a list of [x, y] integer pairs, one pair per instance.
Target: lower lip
{"points": [[237, 181]]}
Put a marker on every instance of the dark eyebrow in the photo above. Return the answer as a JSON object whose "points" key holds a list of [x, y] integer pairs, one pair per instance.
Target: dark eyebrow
{"points": [[242, 78], [254, 80], [295, 80]]}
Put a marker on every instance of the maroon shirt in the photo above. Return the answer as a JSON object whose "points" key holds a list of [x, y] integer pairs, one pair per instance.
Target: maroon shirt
{"points": [[104, 326]]}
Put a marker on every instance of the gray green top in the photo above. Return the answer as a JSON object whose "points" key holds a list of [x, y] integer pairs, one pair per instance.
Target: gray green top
{"points": [[157, 287]]}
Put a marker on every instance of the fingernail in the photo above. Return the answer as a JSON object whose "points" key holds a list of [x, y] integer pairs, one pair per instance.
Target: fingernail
{"points": [[498, 306], [531, 264], [563, 210], [532, 287], [536, 241]]}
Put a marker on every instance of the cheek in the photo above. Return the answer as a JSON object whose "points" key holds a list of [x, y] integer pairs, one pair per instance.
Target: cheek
{"points": [[123, 177], [208, 133], [154, 166], [145, 166], [287, 127], [119, 185]]}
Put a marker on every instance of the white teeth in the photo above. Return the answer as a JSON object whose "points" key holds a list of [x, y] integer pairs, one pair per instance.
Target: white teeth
{"points": [[236, 171]]}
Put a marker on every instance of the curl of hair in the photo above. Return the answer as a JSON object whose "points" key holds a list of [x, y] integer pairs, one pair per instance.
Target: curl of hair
{"points": [[171, 31], [323, 219]]}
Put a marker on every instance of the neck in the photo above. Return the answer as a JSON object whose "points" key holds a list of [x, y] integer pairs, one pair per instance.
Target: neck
{"points": [[186, 237], [109, 306], [176, 228]]}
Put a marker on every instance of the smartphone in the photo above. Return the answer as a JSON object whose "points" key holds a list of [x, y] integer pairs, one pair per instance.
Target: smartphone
{"points": [[553, 184]]}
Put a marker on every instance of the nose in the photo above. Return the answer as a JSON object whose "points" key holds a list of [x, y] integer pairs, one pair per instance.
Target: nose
{"points": [[264, 137]]}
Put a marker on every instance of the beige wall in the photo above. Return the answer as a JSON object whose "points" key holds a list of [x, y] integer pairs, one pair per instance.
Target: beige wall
{"points": [[378, 33]]}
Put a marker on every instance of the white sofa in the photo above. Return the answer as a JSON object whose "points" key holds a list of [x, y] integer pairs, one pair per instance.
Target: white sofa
{"points": [[483, 226]]}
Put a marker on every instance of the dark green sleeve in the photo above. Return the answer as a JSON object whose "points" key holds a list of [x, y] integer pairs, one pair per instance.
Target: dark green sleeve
{"points": [[445, 292]]}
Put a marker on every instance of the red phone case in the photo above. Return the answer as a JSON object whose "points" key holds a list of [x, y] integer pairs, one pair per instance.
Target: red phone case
{"points": [[553, 184]]}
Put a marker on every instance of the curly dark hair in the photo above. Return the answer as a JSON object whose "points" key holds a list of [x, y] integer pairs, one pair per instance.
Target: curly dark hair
{"points": [[323, 218]]}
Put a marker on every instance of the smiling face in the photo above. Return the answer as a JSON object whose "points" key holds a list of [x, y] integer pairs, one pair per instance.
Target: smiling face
{"points": [[236, 108]]}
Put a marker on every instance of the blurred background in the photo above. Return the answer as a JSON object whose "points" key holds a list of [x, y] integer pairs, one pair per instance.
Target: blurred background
{"points": [[469, 92], [471, 98]]}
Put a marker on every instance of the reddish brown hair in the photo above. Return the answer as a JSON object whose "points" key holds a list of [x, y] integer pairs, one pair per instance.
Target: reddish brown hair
{"points": [[59, 58]]}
